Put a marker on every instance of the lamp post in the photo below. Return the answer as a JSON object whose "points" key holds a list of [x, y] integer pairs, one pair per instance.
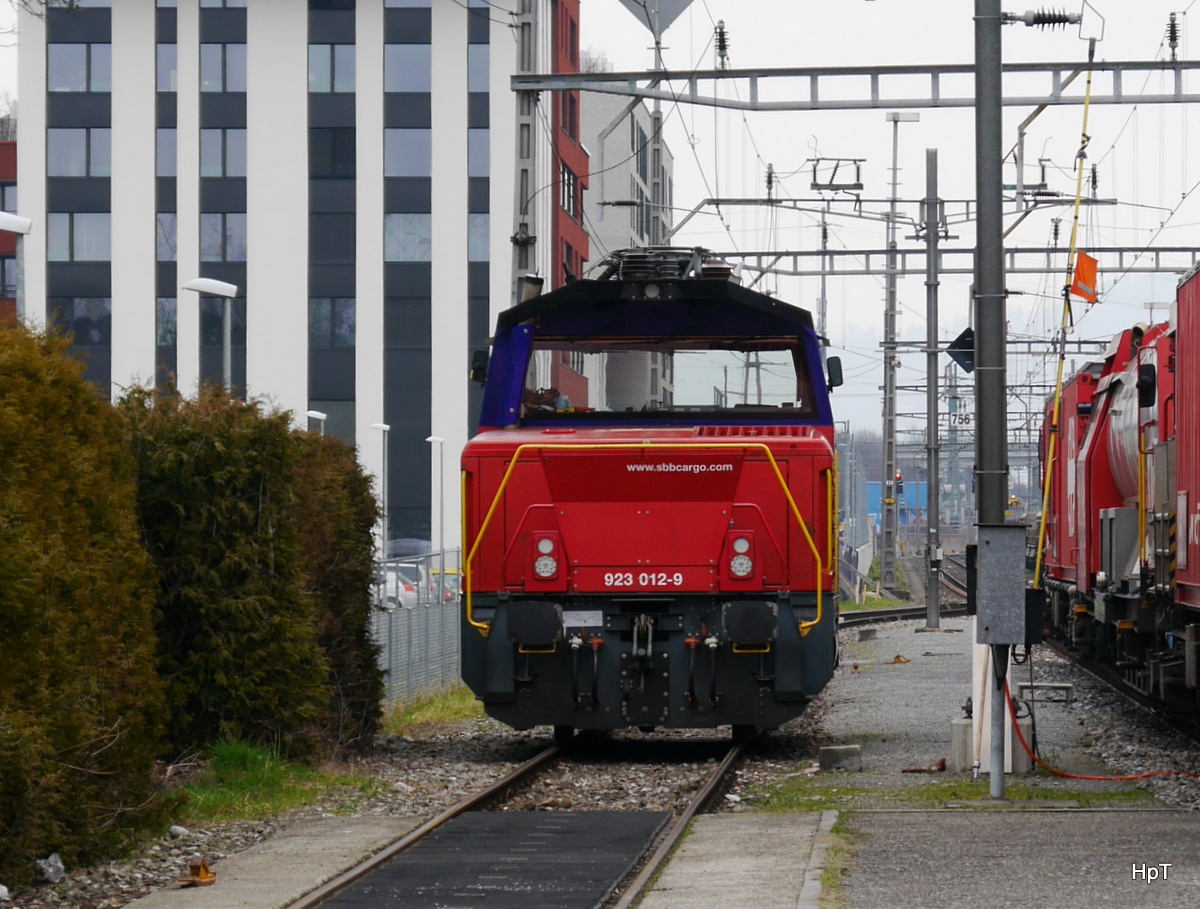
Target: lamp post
{"points": [[21, 227], [383, 486], [441, 446], [211, 287], [319, 418]]}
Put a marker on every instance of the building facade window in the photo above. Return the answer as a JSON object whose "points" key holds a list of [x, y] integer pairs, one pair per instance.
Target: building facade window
{"points": [[331, 238], [222, 153], [406, 68], [332, 152], [89, 319], [222, 67], [8, 277], [570, 192], [79, 67], [331, 68], [408, 152], [78, 237], [408, 237], [478, 235], [331, 321], [215, 4], [165, 153], [478, 75], [167, 65], [165, 321], [223, 237], [165, 244], [479, 153], [78, 152], [8, 197], [212, 335]]}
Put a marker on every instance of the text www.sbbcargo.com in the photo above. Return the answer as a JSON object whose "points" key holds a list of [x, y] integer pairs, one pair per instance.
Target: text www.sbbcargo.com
{"points": [[680, 468]]}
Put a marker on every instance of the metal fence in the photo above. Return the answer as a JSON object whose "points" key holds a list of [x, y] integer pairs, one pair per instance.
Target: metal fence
{"points": [[417, 629]]}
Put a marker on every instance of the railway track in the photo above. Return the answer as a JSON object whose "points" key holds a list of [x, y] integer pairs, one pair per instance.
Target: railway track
{"points": [[893, 614], [512, 846], [1115, 681]]}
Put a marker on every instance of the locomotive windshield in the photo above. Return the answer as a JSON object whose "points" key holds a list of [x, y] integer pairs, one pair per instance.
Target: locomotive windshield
{"points": [[652, 380]]}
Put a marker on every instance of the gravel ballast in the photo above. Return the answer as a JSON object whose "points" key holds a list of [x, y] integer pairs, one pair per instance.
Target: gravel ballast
{"points": [[899, 712]]}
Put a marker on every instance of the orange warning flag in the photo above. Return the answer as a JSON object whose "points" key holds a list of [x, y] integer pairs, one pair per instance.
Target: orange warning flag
{"points": [[1084, 282]]}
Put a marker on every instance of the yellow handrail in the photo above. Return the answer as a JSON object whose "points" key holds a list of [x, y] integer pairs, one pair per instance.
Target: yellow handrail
{"points": [[485, 627]]}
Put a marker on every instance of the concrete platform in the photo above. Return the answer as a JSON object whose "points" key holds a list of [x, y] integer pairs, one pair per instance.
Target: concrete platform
{"points": [[1068, 859], [279, 871], [747, 861]]}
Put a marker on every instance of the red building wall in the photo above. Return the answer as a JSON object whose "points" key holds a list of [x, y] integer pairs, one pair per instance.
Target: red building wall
{"points": [[8, 174], [570, 161], [8, 241]]}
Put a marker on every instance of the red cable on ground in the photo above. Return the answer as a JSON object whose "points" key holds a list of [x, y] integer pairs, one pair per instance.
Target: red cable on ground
{"points": [[1077, 776]]}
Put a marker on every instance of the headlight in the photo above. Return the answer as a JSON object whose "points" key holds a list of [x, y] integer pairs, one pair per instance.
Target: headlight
{"points": [[545, 566], [740, 566], [545, 546], [741, 545]]}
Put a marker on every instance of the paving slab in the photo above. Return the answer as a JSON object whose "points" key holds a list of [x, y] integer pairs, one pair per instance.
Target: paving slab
{"points": [[1068, 859], [746, 861], [278, 871]]}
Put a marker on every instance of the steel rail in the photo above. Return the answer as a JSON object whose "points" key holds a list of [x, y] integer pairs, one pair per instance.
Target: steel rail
{"points": [[1114, 680], [891, 614], [315, 898], [634, 891]]}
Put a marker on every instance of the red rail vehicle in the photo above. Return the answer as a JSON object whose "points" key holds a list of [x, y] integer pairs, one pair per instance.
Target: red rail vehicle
{"points": [[1122, 553], [650, 514]]}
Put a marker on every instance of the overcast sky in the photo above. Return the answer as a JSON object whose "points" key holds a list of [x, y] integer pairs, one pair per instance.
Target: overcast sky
{"points": [[1141, 153]]}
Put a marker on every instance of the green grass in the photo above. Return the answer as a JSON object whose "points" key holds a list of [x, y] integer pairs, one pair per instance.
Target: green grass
{"points": [[450, 706], [839, 858], [838, 792], [870, 601], [242, 781]]}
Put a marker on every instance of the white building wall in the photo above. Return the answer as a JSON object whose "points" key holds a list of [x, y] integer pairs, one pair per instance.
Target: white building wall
{"points": [[187, 195], [502, 114], [133, 181], [613, 228], [449, 225], [368, 113], [31, 164], [277, 206]]}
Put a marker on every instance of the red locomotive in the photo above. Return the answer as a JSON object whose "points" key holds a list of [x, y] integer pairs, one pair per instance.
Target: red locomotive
{"points": [[650, 515], [1122, 546]]}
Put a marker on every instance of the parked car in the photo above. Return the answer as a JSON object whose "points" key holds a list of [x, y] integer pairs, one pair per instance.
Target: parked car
{"points": [[400, 589], [453, 584]]}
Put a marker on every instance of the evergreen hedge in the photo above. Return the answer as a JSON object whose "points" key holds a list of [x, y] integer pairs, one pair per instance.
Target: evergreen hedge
{"points": [[173, 573], [237, 626], [335, 514], [80, 703]]}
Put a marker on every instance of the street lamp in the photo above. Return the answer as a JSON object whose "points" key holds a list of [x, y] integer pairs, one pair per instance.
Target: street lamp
{"points": [[441, 446], [319, 418], [383, 486], [21, 227], [211, 287]]}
